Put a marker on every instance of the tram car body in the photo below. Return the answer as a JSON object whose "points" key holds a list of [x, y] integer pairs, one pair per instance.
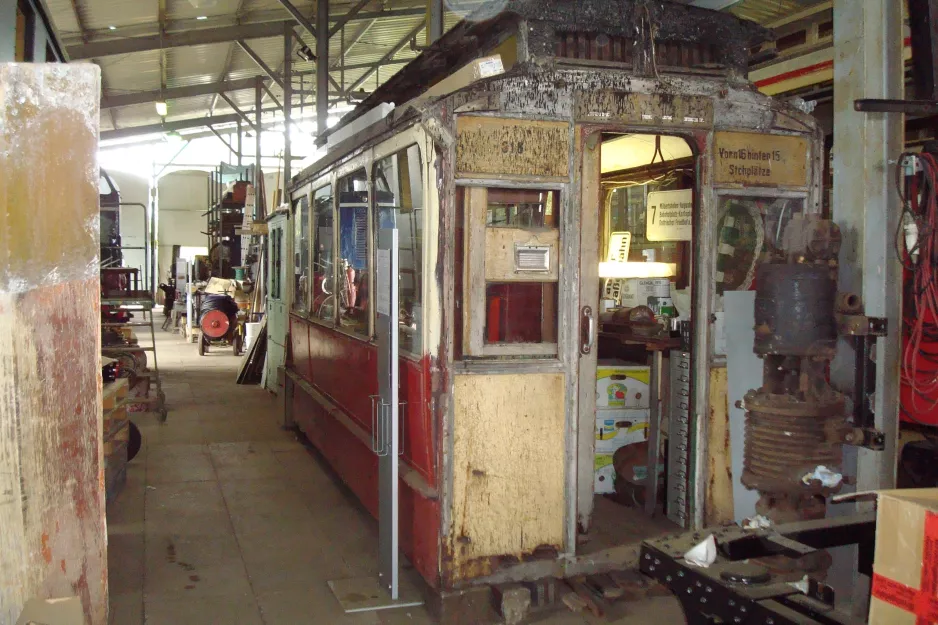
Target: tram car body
{"points": [[503, 190]]}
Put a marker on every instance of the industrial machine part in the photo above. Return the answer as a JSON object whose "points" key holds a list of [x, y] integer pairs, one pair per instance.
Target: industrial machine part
{"points": [[795, 422], [218, 321], [739, 588]]}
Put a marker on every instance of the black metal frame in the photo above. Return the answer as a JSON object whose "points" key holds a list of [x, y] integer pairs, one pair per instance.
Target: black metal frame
{"points": [[708, 597]]}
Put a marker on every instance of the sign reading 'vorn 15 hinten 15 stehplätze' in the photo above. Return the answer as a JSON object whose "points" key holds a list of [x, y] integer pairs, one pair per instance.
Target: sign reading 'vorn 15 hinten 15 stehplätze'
{"points": [[759, 159]]}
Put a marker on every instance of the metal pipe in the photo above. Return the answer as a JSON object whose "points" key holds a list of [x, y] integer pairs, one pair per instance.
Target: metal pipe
{"points": [[322, 65], [287, 105], [258, 96]]}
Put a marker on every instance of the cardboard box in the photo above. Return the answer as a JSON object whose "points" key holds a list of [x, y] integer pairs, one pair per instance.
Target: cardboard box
{"points": [[618, 428], [906, 555], [622, 386], [604, 474], [643, 291]]}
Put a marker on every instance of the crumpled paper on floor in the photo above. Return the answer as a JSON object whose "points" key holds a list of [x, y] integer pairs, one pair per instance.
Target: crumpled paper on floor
{"points": [[704, 554]]}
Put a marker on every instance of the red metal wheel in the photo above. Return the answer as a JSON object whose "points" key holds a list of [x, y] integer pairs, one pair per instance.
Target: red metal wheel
{"points": [[215, 324]]}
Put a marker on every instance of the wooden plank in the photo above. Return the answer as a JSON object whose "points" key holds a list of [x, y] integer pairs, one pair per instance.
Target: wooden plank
{"points": [[646, 109], [593, 602], [512, 147], [605, 586], [474, 267], [53, 537], [718, 508], [508, 469], [759, 159]]}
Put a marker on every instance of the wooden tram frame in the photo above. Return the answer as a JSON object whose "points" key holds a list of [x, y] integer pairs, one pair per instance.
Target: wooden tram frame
{"points": [[479, 503]]}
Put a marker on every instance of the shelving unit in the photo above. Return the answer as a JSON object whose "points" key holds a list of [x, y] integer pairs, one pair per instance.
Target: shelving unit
{"points": [[115, 434], [225, 217]]}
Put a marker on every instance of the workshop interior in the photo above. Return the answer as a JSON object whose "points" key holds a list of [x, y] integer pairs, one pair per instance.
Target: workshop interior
{"points": [[468, 312]]}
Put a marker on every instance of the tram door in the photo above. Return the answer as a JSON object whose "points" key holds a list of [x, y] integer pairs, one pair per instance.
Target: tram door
{"points": [[635, 272], [277, 295]]}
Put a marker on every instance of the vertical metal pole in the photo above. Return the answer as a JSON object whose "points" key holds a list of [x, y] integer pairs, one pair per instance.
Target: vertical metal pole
{"points": [[258, 103], [868, 64], [240, 148], [287, 101], [322, 65], [387, 425], [435, 12]]}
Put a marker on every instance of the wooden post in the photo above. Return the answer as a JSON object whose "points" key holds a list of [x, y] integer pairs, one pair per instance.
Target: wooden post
{"points": [[53, 538]]}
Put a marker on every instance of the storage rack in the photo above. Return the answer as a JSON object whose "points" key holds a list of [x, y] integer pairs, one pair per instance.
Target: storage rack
{"points": [[225, 215], [116, 435]]}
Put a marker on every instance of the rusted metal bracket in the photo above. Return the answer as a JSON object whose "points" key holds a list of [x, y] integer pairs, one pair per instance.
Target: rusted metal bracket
{"points": [[909, 107], [864, 330]]}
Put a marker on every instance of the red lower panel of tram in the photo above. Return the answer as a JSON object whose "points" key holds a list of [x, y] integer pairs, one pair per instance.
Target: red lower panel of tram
{"points": [[345, 370]]}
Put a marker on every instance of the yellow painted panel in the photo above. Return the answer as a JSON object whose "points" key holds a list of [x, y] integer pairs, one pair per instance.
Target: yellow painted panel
{"points": [[508, 468], [500, 254], [760, 159], [512, 147], [719, 500]]}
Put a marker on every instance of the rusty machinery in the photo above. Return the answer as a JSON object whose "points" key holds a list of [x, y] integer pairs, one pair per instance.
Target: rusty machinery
{"points": [[796, 422]]}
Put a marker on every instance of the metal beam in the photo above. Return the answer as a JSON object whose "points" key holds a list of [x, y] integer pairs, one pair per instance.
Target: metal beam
{"points": [[435, 13], [287, 102], [174, 93], [258, 108], [388, 56], [241, 114], [104, 44], [260, 62], [322, 66], [222, 139], [348, 17], [299, 17], [199, 122]]}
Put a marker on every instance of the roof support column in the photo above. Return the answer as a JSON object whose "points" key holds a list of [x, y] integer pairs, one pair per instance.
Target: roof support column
{"points": [[322, 66], [868, 63], [240, 151], [258, 104], [287, 103], [435, 12]]}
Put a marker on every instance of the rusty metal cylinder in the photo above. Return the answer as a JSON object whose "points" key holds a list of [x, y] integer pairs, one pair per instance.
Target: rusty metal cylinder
{"points": [[795, 310]]}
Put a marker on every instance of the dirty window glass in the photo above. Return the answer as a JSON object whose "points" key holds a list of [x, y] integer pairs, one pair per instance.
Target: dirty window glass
{"points": [[301, 255], [399, 204], [749, 230], [323, 307], [352, 280]]}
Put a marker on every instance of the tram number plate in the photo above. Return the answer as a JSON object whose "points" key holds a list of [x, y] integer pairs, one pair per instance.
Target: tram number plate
{"points": [[644, 108]]}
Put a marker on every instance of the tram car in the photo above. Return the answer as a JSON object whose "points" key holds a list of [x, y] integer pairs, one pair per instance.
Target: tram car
{"points": [[570, 182]]}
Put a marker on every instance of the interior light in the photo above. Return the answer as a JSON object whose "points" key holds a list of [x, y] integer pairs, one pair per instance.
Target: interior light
{"points": [[616, 269], [173, 137], [112, 27], [161, 109], [202, 17]]}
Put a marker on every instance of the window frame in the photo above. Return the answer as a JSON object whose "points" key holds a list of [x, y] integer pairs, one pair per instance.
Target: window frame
{"points": [[294, 222], [423, 229], [473, 310], [354, 167], [329, 181]]}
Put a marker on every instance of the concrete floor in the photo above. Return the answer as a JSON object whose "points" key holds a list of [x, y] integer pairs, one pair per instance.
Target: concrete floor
{"points": [[228, 520]]}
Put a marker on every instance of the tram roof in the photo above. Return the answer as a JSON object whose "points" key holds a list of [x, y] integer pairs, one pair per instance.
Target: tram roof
{"points": [[672, 29]]}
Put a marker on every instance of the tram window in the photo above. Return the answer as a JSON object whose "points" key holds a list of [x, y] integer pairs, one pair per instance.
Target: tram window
{"points": [[352, 280], [648, 184], [301, 256], [511, 259], [749, 231], [399, 203], [323, 302]]}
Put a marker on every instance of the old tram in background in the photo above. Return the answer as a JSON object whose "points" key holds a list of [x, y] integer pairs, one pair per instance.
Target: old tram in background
{"points": [[587, 157]]}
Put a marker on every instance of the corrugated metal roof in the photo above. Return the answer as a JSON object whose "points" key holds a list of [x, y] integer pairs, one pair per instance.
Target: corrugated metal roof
{"points": [[767, 11]]}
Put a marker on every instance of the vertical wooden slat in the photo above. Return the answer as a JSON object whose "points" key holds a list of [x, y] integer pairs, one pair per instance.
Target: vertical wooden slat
{"points": [[52, 526]]}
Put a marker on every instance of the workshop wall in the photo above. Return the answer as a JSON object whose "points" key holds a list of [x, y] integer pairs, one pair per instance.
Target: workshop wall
{"points": [[182, 201]]}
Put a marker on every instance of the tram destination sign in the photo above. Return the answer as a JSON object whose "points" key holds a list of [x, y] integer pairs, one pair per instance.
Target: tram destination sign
{"points": [[645, 109], [760, 159], [670, 215]]}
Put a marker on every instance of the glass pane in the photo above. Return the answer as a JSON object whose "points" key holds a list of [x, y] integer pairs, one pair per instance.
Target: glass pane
{"points": [[749, 231], [399, 203], [522, 208], [301, 256], [521, 312], [323, 302], [351, 293]]}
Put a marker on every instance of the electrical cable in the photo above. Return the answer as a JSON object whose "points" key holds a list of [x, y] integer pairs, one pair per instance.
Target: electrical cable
{"points": [[920, 321]]}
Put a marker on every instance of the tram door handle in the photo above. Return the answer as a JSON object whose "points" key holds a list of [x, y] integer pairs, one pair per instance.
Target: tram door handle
{"points": [[587, 330]]}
